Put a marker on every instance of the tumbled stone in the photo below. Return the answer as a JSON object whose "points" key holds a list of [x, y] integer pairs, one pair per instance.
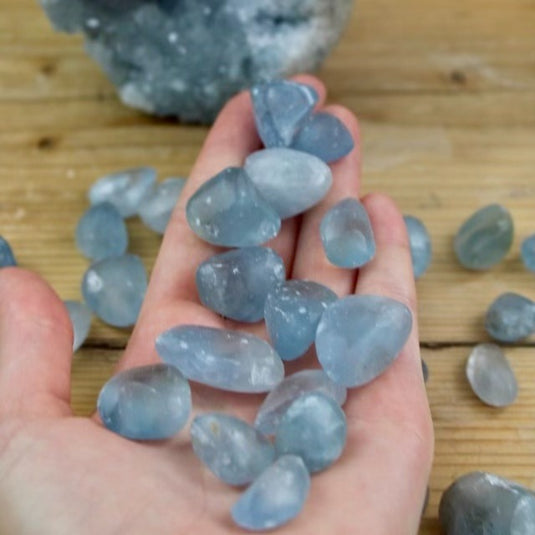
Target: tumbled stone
{"points": [[114, 289], [347, 235], [528, 252], [235, 284], [291, 181], [425, 371], [359, 337], [420, 245], [7, 258], [156, 209], [80, 316], [146, 403], [276, 497], [233, 450], [292, 312], [126, 190], [101, 232], [510, 317], [480, 503], [230, 360], [484, 238]]}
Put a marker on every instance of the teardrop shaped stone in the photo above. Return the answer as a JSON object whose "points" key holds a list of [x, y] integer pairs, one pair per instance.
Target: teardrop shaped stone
{"points": [[527, 252], [7, 258], [510, 317], [420, 245], [80, 316]]}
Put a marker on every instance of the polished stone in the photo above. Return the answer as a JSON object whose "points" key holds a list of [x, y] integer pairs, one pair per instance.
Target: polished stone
{"points": [[229, 360], [528, 252], [7, 258], [510, 317], [359, 337], [80, 316], [236, 284], [420, 244]]}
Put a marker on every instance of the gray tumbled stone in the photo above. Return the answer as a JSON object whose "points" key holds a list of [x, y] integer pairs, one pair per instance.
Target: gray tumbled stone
{"points": [[528, 252], [80, 316], [510, 317]]}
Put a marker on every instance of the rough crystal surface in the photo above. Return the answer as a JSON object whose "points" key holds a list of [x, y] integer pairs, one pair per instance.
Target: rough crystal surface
{"points": [[7, 258], [528, 252], [420, 244], [359, 337], [80, 316], [230, 360], [510, 317]]}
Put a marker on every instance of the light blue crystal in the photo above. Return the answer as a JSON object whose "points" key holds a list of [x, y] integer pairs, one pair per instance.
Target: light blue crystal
{"points": [[485, 238], [156, 209], [114, 289], [292, 312], [233, 450], [147, 403], [235, 284], [510, 317], [359, 337], [126, 189], [276, 497], [230, 360], [528, 252], [80, 317], [7, 258], [347, 235], [291, 181], [101, 232], [420, 244]]}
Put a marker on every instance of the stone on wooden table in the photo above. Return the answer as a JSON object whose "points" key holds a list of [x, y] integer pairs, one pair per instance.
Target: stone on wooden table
{"points": [[420, 245], [7, 258], [528, 252], [80, 316], [510, 317]]}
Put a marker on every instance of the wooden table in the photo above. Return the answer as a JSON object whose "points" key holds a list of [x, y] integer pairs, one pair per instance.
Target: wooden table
{"points": [[445, 92]]}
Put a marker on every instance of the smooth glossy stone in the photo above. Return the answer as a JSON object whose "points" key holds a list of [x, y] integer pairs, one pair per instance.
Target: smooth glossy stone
{"points": [[420, 244], [359, 337], [101, 232], [236, 284], [7, 258], [289, 180], [528, 252], [276, 497], [325, 136], [232, 449], [510, 317], [230, 360], [292, 312], [126, 189], [80, 316], [156, 209], [485, 238], [347, 235], [147, 403], [425, 371], [114, 289], [480, 503]]}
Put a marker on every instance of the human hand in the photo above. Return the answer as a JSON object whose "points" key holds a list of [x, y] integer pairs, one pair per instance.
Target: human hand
{"points": [[61, 474]]}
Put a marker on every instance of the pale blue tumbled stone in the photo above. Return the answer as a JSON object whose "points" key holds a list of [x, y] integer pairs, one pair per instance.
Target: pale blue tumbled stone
{"points": [[510, 317], [230, 360], [126, 189], [233, 450], [359, 337], [292, 312], [114, 289], [7, 258], [420, 245], [291, 181], [276, 497], [80, 316], [347, 235], [101, 232], [147, 403], [528, 252], [235, 284], [484, 238]]}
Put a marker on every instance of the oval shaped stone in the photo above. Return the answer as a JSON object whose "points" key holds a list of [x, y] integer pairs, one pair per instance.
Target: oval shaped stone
{"points": [[146, 403], [80, 316], [527, 253], [289, 180], [359, 337], [420, 245], [236, 284], [276, 497], [510, 317], [485, 238], [7, 258], [230, 360], [232, 449]]}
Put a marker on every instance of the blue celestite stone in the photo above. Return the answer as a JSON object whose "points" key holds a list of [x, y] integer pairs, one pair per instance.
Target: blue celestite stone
{"points": [[314, 428], [485, 238], [80, 317], [233, 450], [276, 497], [528, 252], [101, 232], [286, 392], [155, 210], [510, 317], [235, 284], [325, 136], [359, 337], [229, 360], [420, 244], [347, 235], [147, 403], [281, 108], [7, 258], [229, 211], [114, 289], [126, 189], [289, 180], [292, 312]]}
